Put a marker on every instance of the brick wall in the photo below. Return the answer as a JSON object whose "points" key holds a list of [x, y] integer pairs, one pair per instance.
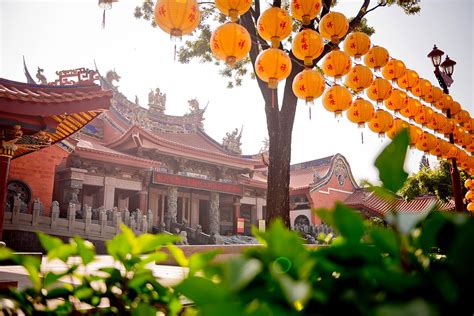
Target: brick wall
{"points": [[37, 170]]}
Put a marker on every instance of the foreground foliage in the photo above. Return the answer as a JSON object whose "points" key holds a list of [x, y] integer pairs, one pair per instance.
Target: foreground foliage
{"points": [[408, 268]]}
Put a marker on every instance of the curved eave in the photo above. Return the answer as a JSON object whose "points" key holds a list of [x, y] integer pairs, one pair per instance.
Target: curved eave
{"points": [[175, 148], [119, 158]]}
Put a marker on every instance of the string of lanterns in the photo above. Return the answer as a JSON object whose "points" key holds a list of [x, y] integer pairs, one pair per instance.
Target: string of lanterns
{"points": [[414, 98]]}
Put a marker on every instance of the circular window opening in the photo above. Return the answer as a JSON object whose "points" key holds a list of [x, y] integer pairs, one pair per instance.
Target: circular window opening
{"points": [[22, 191]]}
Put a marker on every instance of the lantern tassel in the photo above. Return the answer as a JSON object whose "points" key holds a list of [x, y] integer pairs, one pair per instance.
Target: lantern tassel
{"points": [[174, 58], [309, 112], [362, 137], [103, 20]]}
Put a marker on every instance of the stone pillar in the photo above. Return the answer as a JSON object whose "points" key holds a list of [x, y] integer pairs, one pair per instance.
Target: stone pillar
{"points": [[71, 215], [150, 220], [54, 214], [236, 212], [87, 218], [109, 193], [143, 200], [117, 221], [214, 216], [172, 213], [36, 211], [70, 181], [102, 220], [126, 217], [144, 224]]}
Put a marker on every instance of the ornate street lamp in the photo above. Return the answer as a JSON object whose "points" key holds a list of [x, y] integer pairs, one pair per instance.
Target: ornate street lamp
{"points": [[445, 81]]}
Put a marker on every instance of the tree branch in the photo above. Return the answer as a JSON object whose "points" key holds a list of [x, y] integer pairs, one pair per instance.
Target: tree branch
{"points": [[362, 11], [381, 4]]}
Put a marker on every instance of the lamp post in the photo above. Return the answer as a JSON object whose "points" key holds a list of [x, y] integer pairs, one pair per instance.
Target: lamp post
{"points": [[444, 78]]}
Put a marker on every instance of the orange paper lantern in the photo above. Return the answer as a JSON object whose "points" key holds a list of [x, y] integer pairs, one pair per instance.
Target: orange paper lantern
{"points": [[337, 63], [360, 112], [414, 132], [437, 122], [408, 80], [462, 117], [424, 116], [397, 126], [272, 66], [230, 42], [379, 90], [177, 18], [436, 94], [412, 109], [357, 44], [394, 69], [359, 78], [308, 85], [233, 8], [381, 122], [274, 25], [454, 107], [307, 45], [397, 101], [333, 26], [444, 103], [376, 57], [423, 88], [426, 142], [305, 10], [337, 99]]}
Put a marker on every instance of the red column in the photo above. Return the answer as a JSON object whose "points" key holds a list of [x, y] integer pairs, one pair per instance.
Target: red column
{"points": [[4, 172], [142, 201], [236, 213]]}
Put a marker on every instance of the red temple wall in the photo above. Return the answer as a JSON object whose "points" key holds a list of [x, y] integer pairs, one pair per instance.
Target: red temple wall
{"points": [[328, 200], [37, 170]]}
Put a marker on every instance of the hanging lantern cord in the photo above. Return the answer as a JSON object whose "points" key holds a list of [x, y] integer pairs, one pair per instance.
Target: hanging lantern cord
{"points": [[309, 107], [103, 19], [362, 137]]}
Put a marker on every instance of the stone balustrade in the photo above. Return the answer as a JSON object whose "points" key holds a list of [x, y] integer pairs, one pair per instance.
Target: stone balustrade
{"points": [[105, 228]]}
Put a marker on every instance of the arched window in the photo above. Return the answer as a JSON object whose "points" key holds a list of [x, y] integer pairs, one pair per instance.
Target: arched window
{"points": [[20, 189], [301, 220]]}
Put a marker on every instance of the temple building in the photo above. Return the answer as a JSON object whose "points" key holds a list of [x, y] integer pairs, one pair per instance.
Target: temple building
{"points": [[133, 158]]}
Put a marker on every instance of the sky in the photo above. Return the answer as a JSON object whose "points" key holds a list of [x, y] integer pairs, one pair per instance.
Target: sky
{"points": [[57, 35]]}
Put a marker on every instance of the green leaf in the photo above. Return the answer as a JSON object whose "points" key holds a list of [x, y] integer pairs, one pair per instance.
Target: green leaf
{"points": [[390, 162], [49, 242], [297, 293], [58, 292], [51, 278], [386, 240], [119, 247], [239, 272], [83, 293], [5, 254], [32, 266], [85, 249], [149, 242], [416, 307], [144, 309], [348, 222], [62, 252], [178, 255], [155, 257], [198, 261], [202, 291]]}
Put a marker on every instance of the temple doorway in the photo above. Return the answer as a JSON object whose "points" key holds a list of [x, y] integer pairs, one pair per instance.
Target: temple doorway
{"points": [[204, 215]]}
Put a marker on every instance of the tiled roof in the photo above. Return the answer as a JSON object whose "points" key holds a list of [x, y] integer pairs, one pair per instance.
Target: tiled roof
{"points": [[60, 111], [92, 145], [302, 178], [43, 100], [369, 201], [188, 143]]}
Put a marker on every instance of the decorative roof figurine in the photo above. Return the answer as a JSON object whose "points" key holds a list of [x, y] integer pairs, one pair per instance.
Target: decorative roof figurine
{"points": [[231, 141]]}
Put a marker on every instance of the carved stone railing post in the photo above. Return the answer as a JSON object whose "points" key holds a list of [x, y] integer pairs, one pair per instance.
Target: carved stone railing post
{"points": [[117, 221], [103, 220], [36, 211], [150, 220], [144, 225], [88, 218], [214, 216], [54, 214], [16, 208], [139, 219], [71, 215], [172, 215], [133, 224], [126, 217]]}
